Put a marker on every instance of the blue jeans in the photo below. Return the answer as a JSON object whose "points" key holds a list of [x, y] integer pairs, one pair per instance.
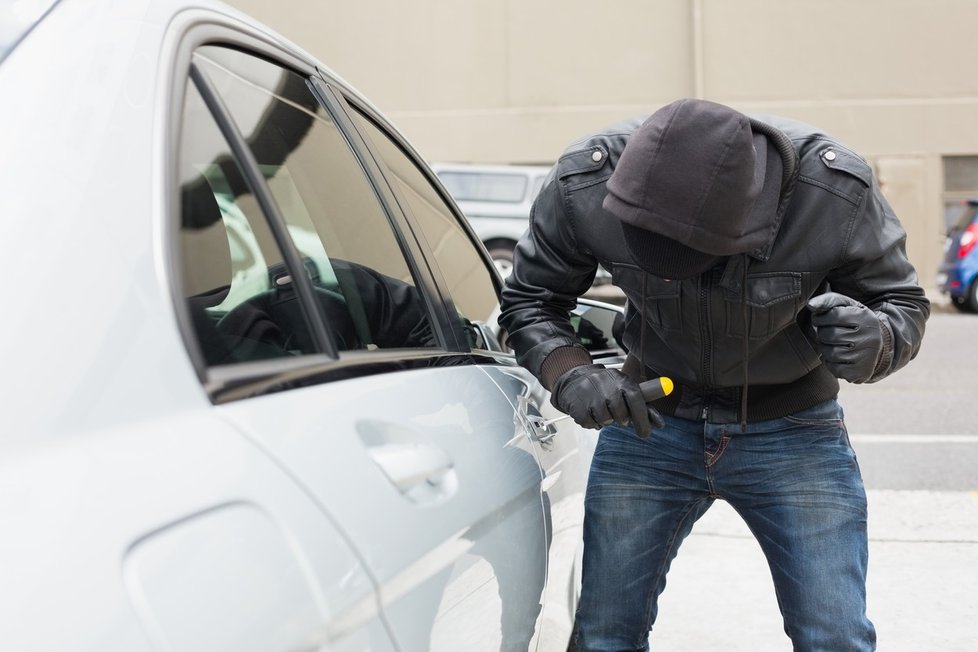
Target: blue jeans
{"points": [[793, 480]]}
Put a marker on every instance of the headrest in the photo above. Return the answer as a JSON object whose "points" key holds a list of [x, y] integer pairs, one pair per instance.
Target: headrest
{"points": [[205, 253]]}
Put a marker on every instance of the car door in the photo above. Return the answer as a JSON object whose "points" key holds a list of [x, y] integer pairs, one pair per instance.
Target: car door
{"points": [[563, 449], [336, 354]]}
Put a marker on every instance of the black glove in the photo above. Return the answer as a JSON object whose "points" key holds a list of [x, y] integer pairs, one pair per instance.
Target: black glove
{"points": [[848, 336], [595, 396]]}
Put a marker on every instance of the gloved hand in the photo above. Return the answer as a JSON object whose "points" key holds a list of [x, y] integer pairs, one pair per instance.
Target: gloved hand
{"points": [[849, 336], [595, 396]]}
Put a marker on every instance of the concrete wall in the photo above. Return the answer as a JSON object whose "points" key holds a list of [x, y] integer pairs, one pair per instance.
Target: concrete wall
{"points": [[514, 81]]}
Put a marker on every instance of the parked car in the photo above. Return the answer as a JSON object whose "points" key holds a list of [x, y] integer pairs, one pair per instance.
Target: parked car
{"points": [[255, 396], [958, 274], [496, 199]]}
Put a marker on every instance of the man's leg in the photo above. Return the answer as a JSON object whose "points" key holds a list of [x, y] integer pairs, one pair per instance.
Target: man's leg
{"points": [[796, 483], [643, 497]]}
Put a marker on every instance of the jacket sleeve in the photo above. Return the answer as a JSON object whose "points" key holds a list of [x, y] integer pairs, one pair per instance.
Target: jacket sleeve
{"points": [[877, 272], [550, 271]]}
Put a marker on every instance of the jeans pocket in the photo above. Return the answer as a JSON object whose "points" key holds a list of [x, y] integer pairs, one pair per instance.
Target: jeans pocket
{"points": [[827, 414]]}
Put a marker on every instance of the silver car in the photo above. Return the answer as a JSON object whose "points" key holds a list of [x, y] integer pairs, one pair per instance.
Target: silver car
{"points": [[254, 393]]}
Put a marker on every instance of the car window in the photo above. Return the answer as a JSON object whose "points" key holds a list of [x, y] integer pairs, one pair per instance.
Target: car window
{"points": [[466, 274], [362, 281]]}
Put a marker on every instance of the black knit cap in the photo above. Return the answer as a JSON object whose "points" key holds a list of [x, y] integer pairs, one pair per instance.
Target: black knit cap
{"points": [[686, 186]]}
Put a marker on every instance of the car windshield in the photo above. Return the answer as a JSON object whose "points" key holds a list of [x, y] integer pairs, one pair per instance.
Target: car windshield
{"points": [[17, 17]]}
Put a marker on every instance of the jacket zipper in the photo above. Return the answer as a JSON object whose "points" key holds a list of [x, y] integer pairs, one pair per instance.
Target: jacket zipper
{"points": [[706, 339]]}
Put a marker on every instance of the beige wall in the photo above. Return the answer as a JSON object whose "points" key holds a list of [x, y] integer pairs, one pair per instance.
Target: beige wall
{"points": [[516, 80]]}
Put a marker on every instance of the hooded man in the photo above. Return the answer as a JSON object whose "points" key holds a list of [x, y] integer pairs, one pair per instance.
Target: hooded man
{"points": [[760, 263]]}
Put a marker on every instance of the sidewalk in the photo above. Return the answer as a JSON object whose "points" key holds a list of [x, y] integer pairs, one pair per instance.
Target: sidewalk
{"points": [[923, 580]]}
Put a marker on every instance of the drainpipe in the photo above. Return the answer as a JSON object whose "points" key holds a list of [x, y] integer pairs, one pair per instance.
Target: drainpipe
{"points": [[696, 43]]}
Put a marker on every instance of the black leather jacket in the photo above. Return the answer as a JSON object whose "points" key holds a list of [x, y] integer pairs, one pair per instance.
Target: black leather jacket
{"points": [[833, 230]]}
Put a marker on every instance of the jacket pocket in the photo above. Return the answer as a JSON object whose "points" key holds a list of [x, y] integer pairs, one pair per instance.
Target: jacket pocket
{"points": [[660, 300], [773, 300]]}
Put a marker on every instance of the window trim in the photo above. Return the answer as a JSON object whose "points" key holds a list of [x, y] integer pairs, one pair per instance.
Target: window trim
{"points": [[227, 383]]}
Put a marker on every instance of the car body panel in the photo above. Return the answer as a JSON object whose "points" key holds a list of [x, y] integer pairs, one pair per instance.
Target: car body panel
{"points": [[102, 503]]}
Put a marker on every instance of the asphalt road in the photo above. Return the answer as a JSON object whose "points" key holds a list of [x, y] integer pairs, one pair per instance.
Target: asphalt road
{"points": [[935, 394]]}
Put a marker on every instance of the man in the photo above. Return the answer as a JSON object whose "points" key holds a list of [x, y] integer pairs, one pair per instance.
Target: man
{"points": [[760, 264]]}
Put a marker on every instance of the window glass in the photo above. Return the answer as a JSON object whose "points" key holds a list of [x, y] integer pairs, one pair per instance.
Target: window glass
{"points": [[367, 294], [224, 270], [484, 186], [465, 272]]}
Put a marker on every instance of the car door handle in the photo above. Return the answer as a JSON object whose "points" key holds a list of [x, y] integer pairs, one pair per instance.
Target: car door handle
{"points": [[421, 472]]}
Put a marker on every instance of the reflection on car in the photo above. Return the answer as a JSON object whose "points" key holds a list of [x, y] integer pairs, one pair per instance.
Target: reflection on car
{"points": [[255, 395]]}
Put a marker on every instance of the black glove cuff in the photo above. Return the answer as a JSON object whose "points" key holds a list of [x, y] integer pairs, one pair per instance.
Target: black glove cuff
{"points": [[560, 361], [886, 353]]}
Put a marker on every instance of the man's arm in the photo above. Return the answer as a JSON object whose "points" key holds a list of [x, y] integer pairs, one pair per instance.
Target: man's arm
{"points": [[550, 272], [877, 274]]}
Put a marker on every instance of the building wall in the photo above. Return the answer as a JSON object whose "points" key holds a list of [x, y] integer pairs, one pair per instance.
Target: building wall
{"points": [[514, 81]]}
